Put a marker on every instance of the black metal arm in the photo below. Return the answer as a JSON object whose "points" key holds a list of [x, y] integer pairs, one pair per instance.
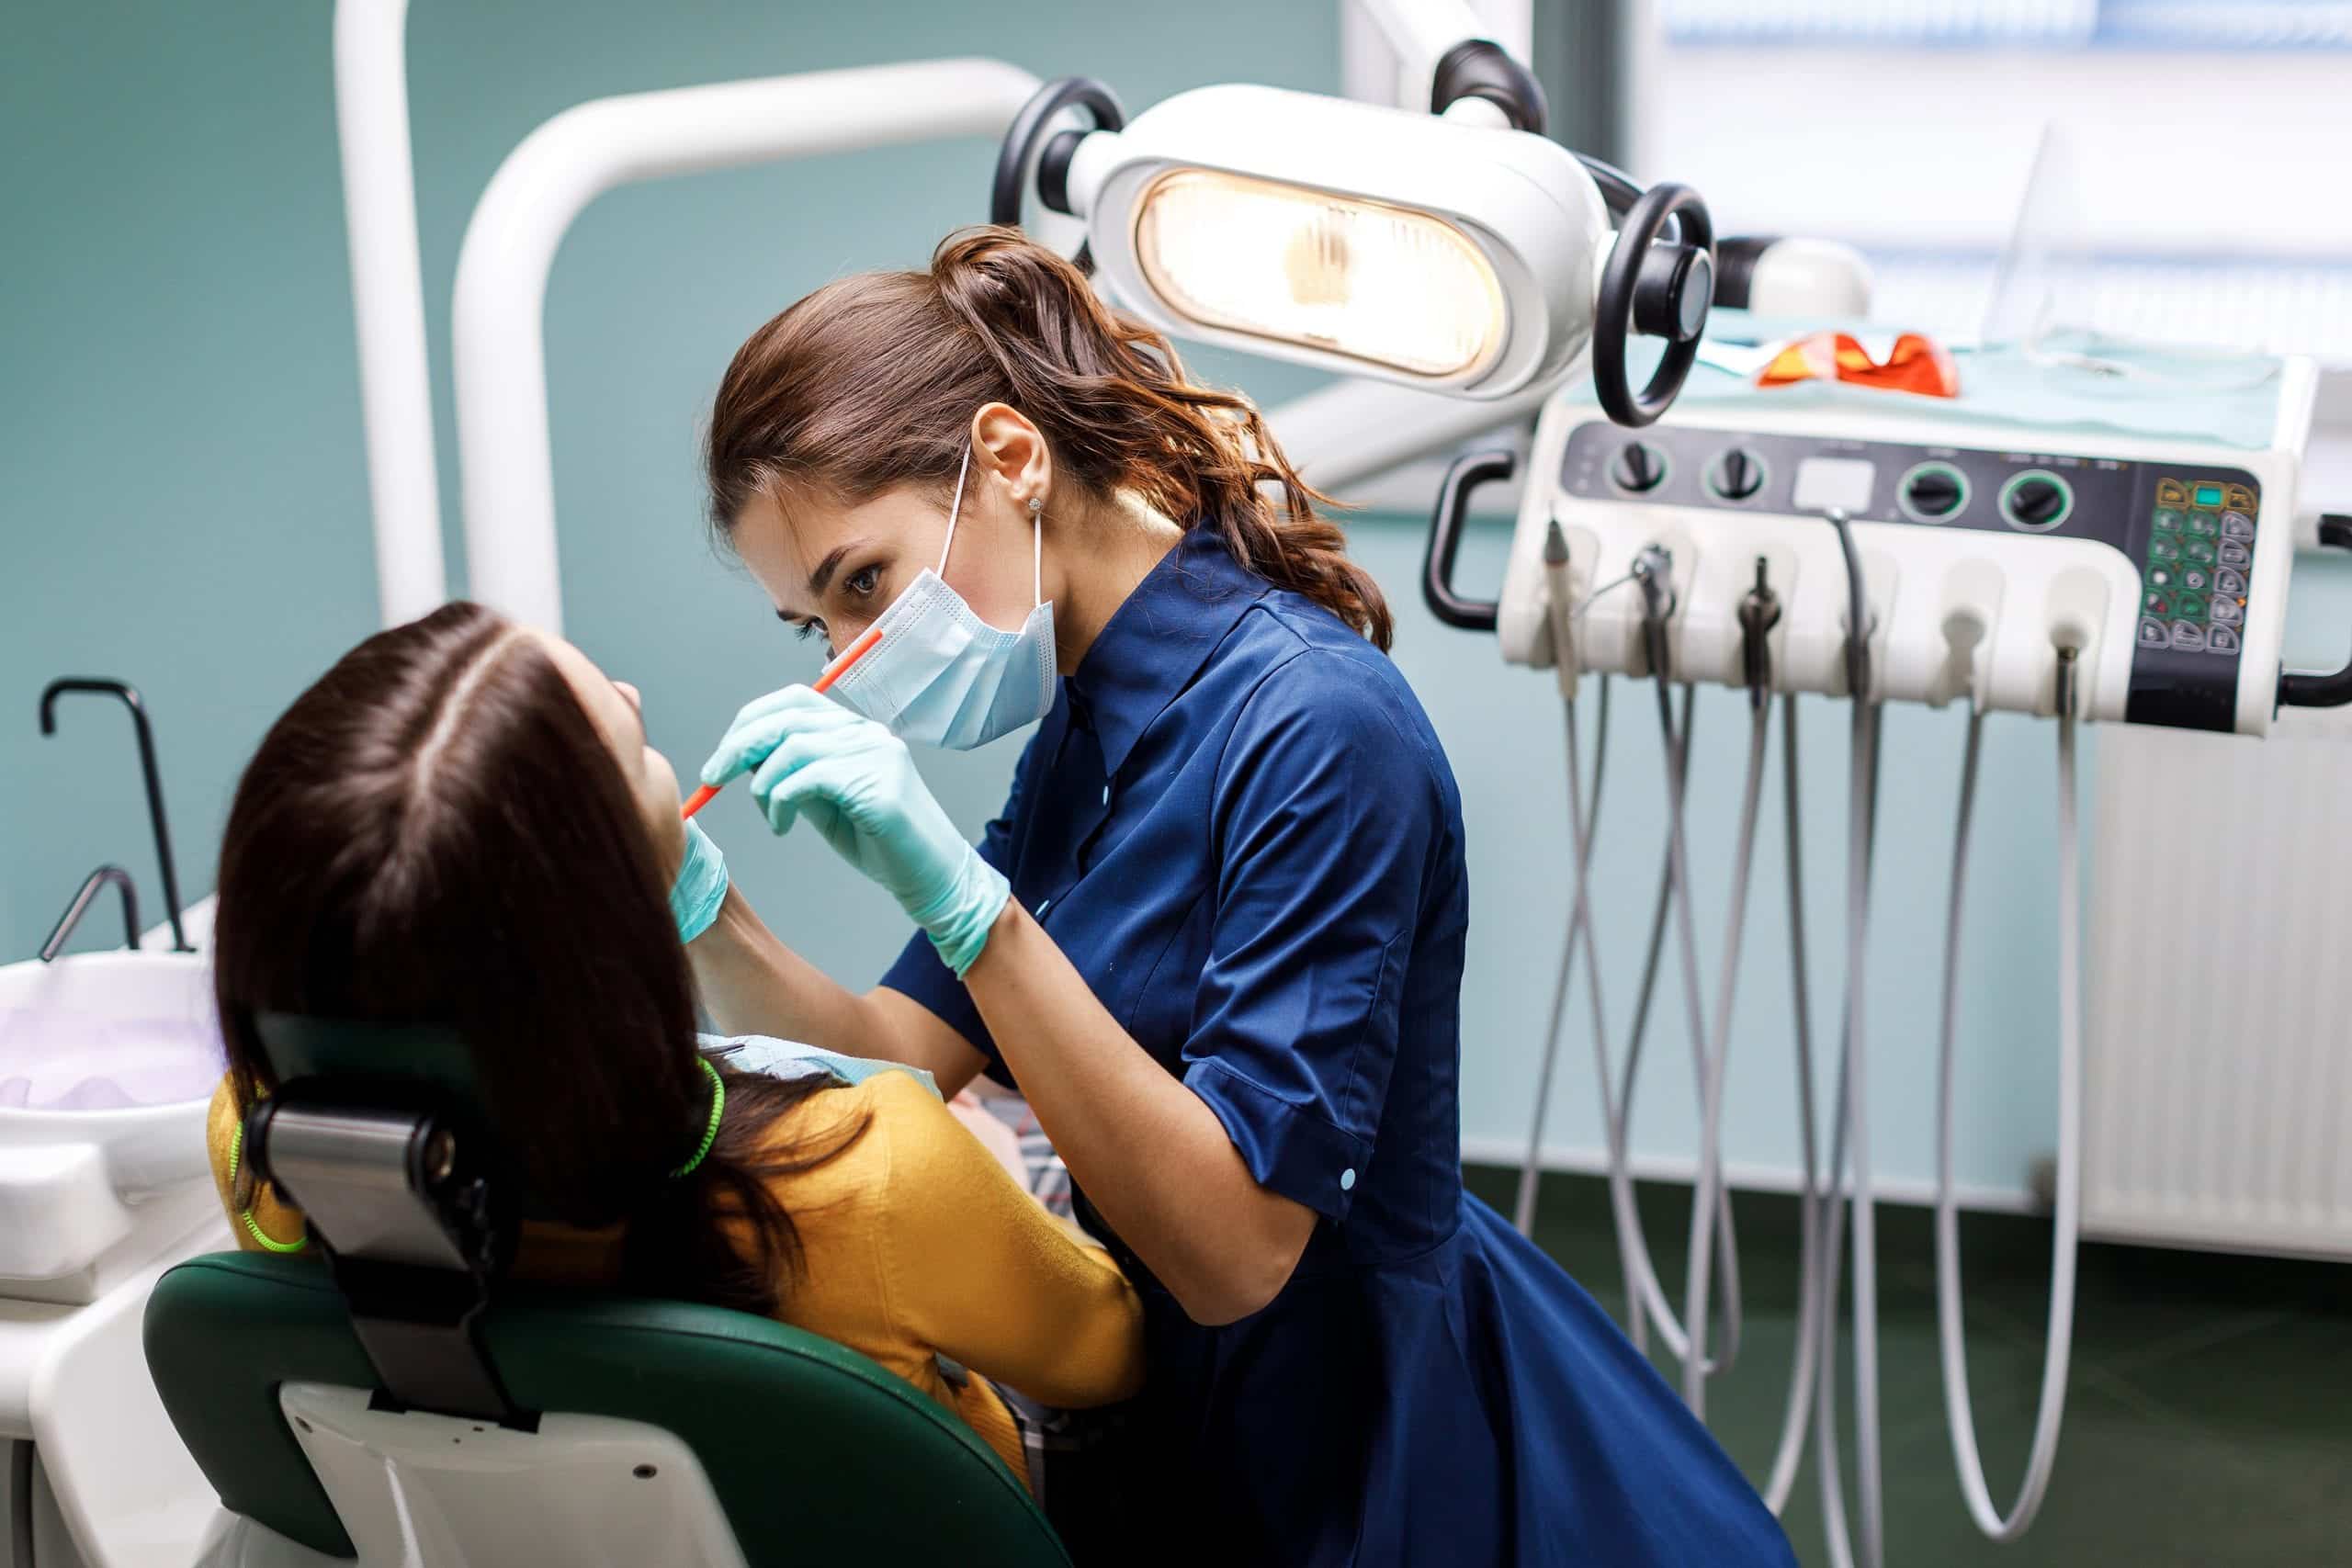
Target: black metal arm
{"points": [[61, 933], [129, 696]]}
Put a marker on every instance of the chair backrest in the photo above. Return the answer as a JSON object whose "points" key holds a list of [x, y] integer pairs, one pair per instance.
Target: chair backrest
{"points": [[815, 1453]]}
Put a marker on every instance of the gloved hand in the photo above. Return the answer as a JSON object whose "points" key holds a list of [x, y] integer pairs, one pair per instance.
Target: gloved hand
{"points": [[700, 887], [853, 781]]}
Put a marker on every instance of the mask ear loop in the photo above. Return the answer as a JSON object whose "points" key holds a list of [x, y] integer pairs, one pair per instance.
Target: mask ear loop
{"points": [[955, 509], [1036, 550]]}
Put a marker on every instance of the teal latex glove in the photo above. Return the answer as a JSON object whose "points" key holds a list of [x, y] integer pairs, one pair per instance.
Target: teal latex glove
{"points": [[701, 887], [852, 780]]}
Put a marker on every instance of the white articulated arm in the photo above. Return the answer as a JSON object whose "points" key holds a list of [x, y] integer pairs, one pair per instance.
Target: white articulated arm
{"points": [[388, 303], [502, 441]]}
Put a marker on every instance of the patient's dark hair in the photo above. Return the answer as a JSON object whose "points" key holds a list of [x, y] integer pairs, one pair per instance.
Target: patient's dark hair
{"points": [[435, 832]]}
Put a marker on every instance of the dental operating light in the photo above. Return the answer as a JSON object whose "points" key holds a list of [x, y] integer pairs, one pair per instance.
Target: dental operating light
{"points": [[1473, 260]]}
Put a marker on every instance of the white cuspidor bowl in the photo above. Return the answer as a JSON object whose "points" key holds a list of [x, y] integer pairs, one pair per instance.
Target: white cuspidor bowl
{"points": [[107, 1064]]}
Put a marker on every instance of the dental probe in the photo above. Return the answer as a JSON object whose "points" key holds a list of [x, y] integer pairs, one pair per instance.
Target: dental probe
{"points": [[824, 682]]}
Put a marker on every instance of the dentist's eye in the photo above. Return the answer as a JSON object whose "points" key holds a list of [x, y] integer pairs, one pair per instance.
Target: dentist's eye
{"points": [[808, 630], [864, 582]]}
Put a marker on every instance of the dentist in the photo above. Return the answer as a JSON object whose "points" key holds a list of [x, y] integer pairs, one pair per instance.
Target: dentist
{"points": [[1215, 936]]}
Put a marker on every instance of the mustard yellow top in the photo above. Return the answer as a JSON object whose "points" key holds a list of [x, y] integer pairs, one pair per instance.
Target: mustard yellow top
{"points": [[915, 1245]]}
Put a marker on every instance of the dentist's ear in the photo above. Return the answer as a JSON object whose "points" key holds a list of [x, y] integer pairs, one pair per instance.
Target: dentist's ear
{"points": [[1012, 450]]}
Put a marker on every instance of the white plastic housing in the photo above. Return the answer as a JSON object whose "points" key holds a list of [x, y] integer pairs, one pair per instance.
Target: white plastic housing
{"points": [[88, 1195], [1958, 610], [1522, 200]]}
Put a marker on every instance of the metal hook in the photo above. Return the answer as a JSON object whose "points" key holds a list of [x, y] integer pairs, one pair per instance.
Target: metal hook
{"points": [[128, 697], [87, 894]]}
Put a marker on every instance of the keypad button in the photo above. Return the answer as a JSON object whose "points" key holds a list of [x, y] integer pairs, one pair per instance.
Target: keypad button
{"points": [[2237, 526], [2236, 554], [2164, 546], [2196, 578], [2160, 577], [2220, 639], [2228, 609], [2189, 637], [2169, 521], [2228, 581], [2204, 523], [2154, 633], [2240, 499], [2171, 492], [2207, 496], [2156, 604], [2189, 606], [2201, 551]]}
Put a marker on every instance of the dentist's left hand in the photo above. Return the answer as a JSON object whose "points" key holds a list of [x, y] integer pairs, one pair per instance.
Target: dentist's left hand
{"points": [[853, 781]]}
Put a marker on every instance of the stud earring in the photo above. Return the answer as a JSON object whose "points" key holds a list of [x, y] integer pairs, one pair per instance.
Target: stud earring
{"points": [[1036, 505]]}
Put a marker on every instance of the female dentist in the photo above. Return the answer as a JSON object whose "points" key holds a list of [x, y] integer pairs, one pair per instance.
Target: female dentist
{"points": [[1215, 937]]}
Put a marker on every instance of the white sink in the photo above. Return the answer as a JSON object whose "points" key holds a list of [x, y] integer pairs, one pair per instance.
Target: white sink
{"points": [[107, 1063]]}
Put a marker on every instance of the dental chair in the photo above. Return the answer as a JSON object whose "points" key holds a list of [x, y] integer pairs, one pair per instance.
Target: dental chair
{"points": [[391, 1398]]}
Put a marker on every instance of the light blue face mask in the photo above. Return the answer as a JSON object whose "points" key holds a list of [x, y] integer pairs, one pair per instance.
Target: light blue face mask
{"points": [[941, 676]]}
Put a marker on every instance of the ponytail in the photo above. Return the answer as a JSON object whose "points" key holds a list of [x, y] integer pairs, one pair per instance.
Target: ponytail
{"points": [[871, 381]]}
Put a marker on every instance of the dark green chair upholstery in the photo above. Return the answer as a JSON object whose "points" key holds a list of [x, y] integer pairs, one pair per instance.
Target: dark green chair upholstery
{"points": [[817, 1454]]}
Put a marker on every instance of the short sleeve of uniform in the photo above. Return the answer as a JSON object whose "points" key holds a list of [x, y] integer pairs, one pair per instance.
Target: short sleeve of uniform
{"points": [[917, 972], [1326, 812]]}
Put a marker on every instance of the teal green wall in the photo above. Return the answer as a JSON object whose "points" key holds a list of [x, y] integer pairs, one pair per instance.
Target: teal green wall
{"points": [[183, 502]]}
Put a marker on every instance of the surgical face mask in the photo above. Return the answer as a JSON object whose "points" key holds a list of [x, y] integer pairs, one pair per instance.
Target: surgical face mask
{"points": [[941, 676]]}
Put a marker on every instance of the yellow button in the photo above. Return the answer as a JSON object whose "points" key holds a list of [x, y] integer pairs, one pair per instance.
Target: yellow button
{"points": [[2171, 492], [2241, 499]]}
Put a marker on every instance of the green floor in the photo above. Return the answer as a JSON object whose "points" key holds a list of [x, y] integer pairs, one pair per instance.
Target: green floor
{"points": [[2209, 1418]]}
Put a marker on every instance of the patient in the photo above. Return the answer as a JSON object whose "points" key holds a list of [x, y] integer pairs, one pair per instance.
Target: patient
{"points": [[459, 824]]}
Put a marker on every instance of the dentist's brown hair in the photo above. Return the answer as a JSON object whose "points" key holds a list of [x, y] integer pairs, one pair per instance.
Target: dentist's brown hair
{"points": [[870, 383]]}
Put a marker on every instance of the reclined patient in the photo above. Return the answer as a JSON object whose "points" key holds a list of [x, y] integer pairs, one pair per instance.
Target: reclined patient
{"points": [[461, 823]]}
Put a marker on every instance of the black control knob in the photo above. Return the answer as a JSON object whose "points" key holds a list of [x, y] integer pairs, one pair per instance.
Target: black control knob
{"points": [[1736, 474], [1932, 492], [1639, 467], [2037, 501]]}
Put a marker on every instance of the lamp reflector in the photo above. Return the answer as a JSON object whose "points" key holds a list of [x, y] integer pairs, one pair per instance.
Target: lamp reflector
{"points": [[1398, 287]]}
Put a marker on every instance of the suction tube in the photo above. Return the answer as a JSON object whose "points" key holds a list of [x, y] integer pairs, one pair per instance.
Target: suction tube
{"points": [[1851, 1125], [2057, 1353]]}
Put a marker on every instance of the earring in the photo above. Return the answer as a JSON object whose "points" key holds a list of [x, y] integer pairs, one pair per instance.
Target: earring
{"points": [[1036, 505]]}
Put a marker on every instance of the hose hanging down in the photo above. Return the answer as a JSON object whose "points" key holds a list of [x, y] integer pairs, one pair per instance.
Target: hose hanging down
{"points": [[2042, 1457]]}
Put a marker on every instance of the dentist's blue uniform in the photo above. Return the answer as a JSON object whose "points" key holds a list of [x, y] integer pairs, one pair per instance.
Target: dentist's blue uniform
{"points": [[1239, 826]]}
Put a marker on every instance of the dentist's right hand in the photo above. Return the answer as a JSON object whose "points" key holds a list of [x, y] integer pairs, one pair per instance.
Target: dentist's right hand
{"points": [[855, 782]]}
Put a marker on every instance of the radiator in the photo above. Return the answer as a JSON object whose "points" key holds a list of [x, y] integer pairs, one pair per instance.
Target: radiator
{"points": [[2218, 1073]]}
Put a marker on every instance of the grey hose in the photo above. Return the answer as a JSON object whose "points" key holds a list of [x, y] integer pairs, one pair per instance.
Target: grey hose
{"points": [[1709, 1190], [1790, 1456], [1583, 821], [1851, 1125], [2042, 1457]]}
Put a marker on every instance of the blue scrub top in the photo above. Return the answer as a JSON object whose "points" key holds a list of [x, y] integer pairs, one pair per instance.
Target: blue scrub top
{"points": [[1239, 826]]}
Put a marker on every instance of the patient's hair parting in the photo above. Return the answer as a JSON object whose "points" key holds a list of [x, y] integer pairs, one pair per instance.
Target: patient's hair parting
{"points": [[435, 832]]}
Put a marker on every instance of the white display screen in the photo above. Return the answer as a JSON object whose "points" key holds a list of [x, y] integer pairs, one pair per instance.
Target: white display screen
{"points": [[1842, 482]]}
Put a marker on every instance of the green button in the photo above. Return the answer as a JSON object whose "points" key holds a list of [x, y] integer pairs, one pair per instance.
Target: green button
{"points": [[2156, 604], [2208, 495], [2168, 518], [2164, 546], [2160, 575], [2198, 522], [2189, 606], [2201, 551]]}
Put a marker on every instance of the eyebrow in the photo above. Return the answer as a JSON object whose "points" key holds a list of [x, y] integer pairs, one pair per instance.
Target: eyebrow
{"points": [[824, 575]]}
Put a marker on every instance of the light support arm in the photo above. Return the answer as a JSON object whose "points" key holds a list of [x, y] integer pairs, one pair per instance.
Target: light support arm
{"points": [[505, 458], [388, 304]]}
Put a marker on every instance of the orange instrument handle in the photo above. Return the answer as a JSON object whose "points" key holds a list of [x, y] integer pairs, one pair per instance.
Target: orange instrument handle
{"points": [[824, 682]]}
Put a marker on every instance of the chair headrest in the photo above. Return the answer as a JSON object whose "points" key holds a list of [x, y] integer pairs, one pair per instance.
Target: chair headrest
{"points": [[357, 1053]]}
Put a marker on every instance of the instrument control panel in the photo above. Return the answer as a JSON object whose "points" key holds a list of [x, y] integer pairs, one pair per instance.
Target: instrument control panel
{"points": [[2188, 529]]}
